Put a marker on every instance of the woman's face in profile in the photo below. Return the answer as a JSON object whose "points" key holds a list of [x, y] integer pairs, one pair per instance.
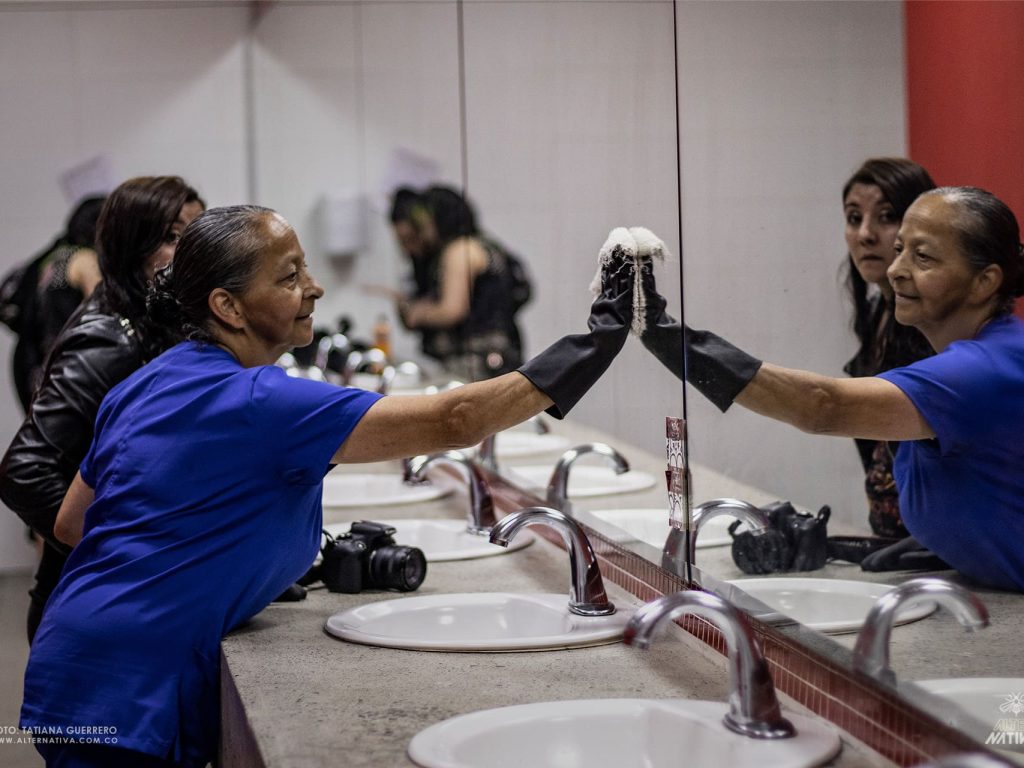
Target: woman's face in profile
{"points": [[931, 278], [278, 303], [871, 227], [163, 255]]}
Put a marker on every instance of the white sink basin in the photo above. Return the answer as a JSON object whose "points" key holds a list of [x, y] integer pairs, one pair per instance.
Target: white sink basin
{"points": [[651, 526], [344, 489], [442, 540], [987, 700], [587, 480], [614, 733], [827, 605], [480, 621], [513, 443]]}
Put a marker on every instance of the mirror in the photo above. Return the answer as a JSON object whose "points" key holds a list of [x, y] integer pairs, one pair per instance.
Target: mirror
{"points": [[558, 133]]}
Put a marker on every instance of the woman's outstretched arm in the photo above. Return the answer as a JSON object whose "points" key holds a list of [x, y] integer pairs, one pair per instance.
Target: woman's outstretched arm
{"points": [[397, 427], [866, 407]]}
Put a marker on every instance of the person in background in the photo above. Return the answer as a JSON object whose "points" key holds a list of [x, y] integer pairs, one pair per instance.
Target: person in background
{"points": [[467, 288], [875, 198], [108, 337], [200, 497], [48, 290], [959, 266]]}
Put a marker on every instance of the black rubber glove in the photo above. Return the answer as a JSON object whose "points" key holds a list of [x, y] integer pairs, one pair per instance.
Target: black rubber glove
{"points": [[905, 555], [569, 367], [713, 366]]}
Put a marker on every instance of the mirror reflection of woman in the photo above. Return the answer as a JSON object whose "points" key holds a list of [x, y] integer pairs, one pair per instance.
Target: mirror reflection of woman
{"points": [[465, 298], [875, 198], [958, 268], [200, 498]]}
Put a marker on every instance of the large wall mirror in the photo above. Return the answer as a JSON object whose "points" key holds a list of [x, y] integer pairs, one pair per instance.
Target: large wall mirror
{"points": [[726, 128]]}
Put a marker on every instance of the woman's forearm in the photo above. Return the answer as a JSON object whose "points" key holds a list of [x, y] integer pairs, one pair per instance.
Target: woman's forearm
{"points": [[398, 427], [866, 407]]}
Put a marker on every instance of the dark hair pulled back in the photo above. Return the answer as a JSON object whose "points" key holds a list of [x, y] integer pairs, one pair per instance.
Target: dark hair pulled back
{"points": [[989, 234], [219, 249]]}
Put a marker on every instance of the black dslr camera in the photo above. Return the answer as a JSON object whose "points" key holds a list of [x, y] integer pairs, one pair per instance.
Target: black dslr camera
{"points": [[367, 558]]}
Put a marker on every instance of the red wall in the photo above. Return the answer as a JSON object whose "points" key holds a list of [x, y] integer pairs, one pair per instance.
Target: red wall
{"points": [[965, 94]]}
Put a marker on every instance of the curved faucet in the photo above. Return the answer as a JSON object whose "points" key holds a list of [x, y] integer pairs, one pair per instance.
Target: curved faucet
{"points": [[488, 454], [675, 544], [292, 368], [871, 653], [540, 426], [481, 507], [558, 485], [328, 344], [410, 466], [586, 594], [753, 706]]}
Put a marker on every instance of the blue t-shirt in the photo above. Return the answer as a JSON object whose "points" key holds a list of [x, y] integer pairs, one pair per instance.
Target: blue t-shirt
{"points": [[962, 493], [208, 480]]}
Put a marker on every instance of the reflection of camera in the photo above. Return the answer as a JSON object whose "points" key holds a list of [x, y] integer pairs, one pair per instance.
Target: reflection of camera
{"points": [[367, 558]]}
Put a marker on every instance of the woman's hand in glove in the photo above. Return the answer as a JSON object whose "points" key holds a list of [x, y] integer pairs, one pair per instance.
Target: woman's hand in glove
{"points": [[571, 366], [713, 366]]}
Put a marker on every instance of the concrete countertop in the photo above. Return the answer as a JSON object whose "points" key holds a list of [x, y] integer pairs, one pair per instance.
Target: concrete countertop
{"points": [[312, 700]]}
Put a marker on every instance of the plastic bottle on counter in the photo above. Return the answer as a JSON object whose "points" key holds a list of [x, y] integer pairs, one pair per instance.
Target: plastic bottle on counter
{"points": [[382, 335]]}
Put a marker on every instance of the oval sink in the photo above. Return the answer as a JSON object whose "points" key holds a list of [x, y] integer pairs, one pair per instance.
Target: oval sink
{"points": [[481, 621], [651, 526], [617, 733], [827, 605], [442, 540], [986, 699], [587, 480], [344, 489]]}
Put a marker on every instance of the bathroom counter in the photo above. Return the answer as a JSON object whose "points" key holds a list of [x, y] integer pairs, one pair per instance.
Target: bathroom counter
{"points": [[296, 697]]}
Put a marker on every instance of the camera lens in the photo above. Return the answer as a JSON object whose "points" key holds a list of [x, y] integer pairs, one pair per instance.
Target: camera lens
{"points": [[401, 568]]}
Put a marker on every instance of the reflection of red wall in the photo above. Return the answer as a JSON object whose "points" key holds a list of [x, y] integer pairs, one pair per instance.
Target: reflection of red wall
{"points": [[965, 94]]}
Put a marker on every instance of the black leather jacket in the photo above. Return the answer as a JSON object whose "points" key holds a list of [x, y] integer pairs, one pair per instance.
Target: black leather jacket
{"points": [[94, 352]]}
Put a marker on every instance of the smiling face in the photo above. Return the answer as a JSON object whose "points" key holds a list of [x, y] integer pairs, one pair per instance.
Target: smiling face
{"points": [[871, 226], [277, 306], [935, 289], [163, 255]]}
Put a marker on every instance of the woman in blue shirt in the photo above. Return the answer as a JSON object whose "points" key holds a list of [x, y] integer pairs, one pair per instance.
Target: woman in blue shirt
{"points": [[200, 497], [959, 266]]}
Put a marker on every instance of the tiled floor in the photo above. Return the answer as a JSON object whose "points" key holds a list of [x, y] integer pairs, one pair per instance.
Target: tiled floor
{"points": [[14, 652]]}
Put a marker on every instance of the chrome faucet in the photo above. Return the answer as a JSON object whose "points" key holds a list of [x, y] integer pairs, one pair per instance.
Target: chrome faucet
{"points": [[871, 653], [292, 368], [558, 485], [753, 706], [481, 506], [675, 545], [540, 426], [586, 593], [374, 358], [410, 466], [331, 343], [487, 455]]}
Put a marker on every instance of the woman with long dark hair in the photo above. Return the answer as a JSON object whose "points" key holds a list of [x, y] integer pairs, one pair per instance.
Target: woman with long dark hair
{"points": [[875, 198], [468, 286], [107, 338]]}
